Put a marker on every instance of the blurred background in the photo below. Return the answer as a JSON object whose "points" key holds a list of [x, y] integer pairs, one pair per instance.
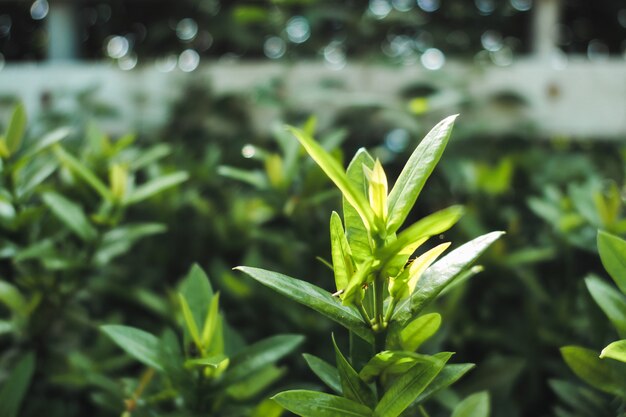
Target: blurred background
{"points": [[190, 97]]}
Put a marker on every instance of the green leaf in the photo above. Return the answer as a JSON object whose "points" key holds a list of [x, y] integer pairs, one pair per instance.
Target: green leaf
{"points": [[255, 383], [616, 350], [390, 362], [260, 354], [442, 273], [211, 323], [610, 300], [416, 171], [46, 141], [71, 214], [255, 178], [17, 127], [419, 330], [324, 371], [80, 170], [613, 254], [335, 172], [313, 297], [476, 405], [118, 241], [139, 344], [16, 385], [11, 297], [426, 227], [155, 186], [197, 290], [190, 323], [353, 387], [343, 266], [212, 361], [408, 387], [598, 373], [448, 376], [356, 231], [318, 404]]}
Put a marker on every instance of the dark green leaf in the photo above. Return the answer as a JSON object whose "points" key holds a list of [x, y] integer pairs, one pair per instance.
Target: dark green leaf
{"points": [[325, 371], [71, 214], [16, 385], [597, 372], [139, 344], [255, 383], [442, 273], [476, 405], [416, 171], [118, 241], [610, 300], [318, 404], [260, 354], [408, 387], [613, 254], [313, 297], [448, 376], [353, 387]]}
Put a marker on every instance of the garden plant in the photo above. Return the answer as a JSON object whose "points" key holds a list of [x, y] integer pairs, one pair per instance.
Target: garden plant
{"points": [[380, 292]]}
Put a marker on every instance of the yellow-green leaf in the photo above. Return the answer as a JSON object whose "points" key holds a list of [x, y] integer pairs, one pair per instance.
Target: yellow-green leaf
{"points": [[343, 266]]}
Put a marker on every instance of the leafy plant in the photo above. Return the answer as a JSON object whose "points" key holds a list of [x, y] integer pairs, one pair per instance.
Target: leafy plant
{"points": [[606, 371], [207, 369], [63, 220], [380, 293]]}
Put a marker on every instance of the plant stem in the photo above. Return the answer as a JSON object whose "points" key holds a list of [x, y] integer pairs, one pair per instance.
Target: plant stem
{"points": [[363, 313], [378, 303], [390, 308]]}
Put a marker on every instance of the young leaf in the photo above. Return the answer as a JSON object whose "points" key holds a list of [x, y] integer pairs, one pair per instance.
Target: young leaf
{"points": [[335, 172], [155, 186], [356, 231], [616, 350], [353, 387], [258, 355], [71, 214], [197, 290], [211, 323], [408, 387], [476, 405], [139, 344], [610, 300], [212, 361], [313, 297], [597, 372], [613, 255], [343, 266], [419, 330], [318, 404], [390, 361], [16, 129], [324, 371], [354, 287], [419, 265], [428, 226], [190, 323], [14, 388], [442, 273], [83, 172], [416, 171], [377, 181]]}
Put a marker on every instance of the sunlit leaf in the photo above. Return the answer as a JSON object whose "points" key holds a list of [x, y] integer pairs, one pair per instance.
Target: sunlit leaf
{"points": [[616, 350], [16, 129], [416, 171]]}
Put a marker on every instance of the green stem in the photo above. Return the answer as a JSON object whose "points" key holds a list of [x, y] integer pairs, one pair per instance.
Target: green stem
{"points": [[378, 303], [390, 308], [363, 313]]}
